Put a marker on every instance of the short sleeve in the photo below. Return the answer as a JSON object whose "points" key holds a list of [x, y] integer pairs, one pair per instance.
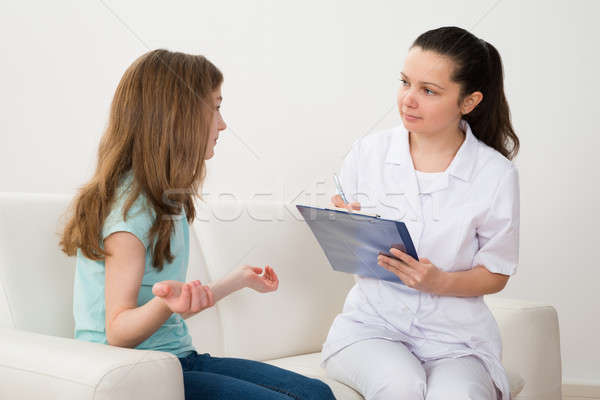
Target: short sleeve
{"points": [[498, 234], [349, 172], [139, 221]]}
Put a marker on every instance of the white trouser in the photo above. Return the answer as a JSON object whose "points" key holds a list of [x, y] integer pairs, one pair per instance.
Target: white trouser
{"points": [[380, 369]]}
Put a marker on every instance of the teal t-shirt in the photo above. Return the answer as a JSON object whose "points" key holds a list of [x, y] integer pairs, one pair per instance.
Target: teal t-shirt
{"points": [[88, 292]]}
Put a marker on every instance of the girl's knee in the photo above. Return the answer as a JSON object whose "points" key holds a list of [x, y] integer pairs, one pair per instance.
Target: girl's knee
{"points": [[321, 390], [311, 388]]}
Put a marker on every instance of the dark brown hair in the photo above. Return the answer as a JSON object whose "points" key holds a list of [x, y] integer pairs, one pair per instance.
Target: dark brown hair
{"points": [[478, 68], [158, 129]]}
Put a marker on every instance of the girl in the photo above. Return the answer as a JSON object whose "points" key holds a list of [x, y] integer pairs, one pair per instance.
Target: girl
{"points": [[445, 172], [130, 231]]}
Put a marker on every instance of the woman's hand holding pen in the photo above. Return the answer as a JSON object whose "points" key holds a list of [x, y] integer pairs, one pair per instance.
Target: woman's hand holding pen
{"points": [[184, 298], [421, 275], [338, 202]]}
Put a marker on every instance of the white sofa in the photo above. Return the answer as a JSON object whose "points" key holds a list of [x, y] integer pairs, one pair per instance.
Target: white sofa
{"points": [[39, 358]]}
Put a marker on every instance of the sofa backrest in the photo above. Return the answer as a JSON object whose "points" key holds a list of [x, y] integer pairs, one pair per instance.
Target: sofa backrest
{"points": [[296, 318], [36, 278]]}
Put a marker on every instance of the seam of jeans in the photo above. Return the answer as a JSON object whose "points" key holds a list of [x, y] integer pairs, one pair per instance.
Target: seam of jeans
{"points": [[276, 389]]}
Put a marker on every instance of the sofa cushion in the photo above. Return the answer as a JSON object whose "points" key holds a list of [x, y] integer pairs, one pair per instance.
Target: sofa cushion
{"points": [[309, 365]]}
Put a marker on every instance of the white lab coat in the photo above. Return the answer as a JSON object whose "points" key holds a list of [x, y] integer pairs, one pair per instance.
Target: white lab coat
{"points": [[468, 217]]}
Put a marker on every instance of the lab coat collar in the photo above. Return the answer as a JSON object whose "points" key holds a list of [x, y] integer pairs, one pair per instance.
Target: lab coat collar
{"points": [[400, 176], [461, 166]]}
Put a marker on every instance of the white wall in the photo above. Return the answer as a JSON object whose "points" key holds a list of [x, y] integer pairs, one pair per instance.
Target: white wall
{"points": [[303, 80]]}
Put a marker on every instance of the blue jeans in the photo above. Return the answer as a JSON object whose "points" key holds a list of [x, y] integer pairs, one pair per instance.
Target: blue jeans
{"points": [[206, 377]]}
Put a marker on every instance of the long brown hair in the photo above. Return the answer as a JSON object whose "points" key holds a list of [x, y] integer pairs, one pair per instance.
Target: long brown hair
{"points": [[158, 130], [478, 68]]}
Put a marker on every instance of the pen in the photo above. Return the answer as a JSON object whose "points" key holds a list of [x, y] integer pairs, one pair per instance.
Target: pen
{"points": [[340, 191], [338, 186]]}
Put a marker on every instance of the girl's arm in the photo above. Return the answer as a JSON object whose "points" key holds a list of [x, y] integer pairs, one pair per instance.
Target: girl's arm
{"points": [[244, 276], [128, 325], [219, 289]]}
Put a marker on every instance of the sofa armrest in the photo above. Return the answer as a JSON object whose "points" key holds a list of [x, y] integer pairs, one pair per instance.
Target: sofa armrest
{"points": [[35, 366], [531, 345]]}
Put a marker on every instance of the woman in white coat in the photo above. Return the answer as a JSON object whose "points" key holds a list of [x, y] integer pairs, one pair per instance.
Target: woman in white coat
{"points": [[447, 173]]}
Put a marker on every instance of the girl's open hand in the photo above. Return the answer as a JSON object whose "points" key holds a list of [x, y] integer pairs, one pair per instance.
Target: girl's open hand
{"points": [[184, 298], [254, 278], [421, 275]]}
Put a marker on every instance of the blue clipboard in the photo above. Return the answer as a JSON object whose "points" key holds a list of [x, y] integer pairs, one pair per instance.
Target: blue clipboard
{"points": [[353, 241]]}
